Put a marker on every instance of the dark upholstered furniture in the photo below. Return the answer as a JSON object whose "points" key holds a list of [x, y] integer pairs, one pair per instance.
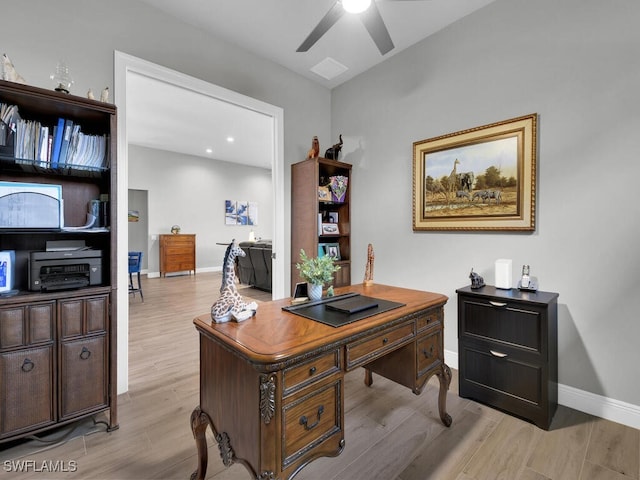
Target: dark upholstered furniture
{"points": [[254, 268]]}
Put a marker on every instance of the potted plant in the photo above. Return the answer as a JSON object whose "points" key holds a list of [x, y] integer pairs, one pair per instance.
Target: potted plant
{"points": [[316, 272]]}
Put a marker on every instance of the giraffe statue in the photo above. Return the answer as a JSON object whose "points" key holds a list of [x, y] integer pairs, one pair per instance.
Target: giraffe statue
{"points": [[230, 304]]}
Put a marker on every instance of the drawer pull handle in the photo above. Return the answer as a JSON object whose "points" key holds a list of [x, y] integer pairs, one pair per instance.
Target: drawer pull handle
{"points": [[85, 353], [428, 354], [497, 354], [27, 365], [385, 340], [303, 419], [498, 304], [312, 370]]}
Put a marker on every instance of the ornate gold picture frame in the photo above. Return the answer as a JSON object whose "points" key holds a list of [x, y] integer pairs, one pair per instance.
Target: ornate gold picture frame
{"points": [[483, 178]]}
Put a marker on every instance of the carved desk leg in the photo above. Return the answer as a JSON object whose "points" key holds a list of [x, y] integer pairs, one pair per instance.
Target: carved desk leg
{"points": [[368, 377], [199, 422], [444, 375]]}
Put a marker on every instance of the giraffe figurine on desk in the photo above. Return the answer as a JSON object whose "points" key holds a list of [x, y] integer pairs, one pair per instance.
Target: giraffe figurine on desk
{"points": [[230, 304]]}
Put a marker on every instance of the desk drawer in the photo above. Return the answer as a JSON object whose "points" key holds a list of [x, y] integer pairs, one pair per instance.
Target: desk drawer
{"points": [[429, 352], [311, 371], [363, 351], [429, 319], [311, 420]]}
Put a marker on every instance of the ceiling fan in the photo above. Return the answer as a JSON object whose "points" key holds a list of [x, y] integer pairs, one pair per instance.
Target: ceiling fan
{"points": [[370, 16]]}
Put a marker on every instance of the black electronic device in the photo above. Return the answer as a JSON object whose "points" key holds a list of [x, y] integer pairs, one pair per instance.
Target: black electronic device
{"points": [[63, 270]]}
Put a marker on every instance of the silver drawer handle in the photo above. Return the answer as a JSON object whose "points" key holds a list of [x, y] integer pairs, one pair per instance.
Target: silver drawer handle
{"points": [[498, 304], [497, 354]]}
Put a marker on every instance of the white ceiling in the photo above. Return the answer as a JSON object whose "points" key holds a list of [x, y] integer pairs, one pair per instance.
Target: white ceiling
{"points": [[272, 29], [166, 117]]}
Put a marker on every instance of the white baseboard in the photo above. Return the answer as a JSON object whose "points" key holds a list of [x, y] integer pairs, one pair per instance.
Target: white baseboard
{"points": [[603, 407], [583, 401]]}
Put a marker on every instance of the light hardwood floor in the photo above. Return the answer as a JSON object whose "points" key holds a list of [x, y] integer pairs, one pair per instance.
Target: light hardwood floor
{"points": [[390, 433]]}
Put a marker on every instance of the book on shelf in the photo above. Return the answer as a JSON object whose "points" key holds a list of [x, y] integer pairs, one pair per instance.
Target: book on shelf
{"points": [[43, 144], [66, 138], [58, 131]]}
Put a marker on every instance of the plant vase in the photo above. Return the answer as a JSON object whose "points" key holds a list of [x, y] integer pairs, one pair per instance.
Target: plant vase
{"points": [[338, 185], [314, 291]]}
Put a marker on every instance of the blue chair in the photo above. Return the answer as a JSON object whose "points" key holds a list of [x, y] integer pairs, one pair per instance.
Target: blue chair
{"points": [[135, 264]]}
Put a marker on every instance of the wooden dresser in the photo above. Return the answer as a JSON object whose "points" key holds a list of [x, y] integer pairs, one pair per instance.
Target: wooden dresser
{"points": [[177, 253], [508, 347]]}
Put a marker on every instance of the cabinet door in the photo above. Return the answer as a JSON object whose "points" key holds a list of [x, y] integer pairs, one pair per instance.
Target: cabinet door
{"points": [[26, 390], [83, 375], [83, 316], [24, 325]]}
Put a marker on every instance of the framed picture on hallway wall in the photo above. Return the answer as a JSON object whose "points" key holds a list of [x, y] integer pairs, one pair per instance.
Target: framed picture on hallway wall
{"points": [[240, 212], [483, 178]]}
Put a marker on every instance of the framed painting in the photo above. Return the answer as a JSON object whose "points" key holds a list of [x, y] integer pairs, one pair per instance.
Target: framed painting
{"points": [[483, 178]]}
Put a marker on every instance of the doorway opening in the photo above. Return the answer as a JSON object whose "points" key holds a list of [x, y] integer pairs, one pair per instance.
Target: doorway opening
{"points": [[126, 65]]}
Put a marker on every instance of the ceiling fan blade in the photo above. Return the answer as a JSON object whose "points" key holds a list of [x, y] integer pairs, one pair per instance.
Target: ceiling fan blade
{"points": [[375, 25], [332, 16]]}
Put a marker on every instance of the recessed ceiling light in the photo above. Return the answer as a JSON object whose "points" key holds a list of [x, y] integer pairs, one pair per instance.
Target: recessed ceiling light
{"points": [[230, 139], [209, 150]]}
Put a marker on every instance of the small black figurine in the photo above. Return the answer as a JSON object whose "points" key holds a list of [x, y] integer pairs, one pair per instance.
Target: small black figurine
{"points": [[476, 280], [333, 152]]}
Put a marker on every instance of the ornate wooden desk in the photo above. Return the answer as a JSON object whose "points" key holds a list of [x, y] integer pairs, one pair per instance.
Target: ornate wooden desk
{"points": [[271, 387]]}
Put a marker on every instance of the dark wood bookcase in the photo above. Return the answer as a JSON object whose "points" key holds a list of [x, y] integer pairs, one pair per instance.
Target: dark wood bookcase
{"points": [[58, 346], [307, 208]]}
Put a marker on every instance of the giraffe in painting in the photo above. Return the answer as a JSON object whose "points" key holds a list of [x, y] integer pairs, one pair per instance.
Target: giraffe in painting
{"points": [[230, 304], [453, 178]]}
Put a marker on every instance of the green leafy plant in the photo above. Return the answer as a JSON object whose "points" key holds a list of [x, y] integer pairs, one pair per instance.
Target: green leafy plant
{"points": [[318, 270]]}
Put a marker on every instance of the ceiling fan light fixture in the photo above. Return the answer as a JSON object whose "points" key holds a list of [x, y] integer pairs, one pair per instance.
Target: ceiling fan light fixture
{"points": [[355, 6]]}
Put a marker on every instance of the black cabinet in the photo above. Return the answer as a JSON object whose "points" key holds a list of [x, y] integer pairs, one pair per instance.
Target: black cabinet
{"points": [[508, 350]]}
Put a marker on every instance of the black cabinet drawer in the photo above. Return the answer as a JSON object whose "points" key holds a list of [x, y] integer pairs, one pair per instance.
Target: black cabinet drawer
{"points": [[501, 372], [503, 322]]}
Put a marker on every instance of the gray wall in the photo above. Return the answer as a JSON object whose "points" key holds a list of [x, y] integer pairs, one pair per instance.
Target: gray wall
{"points": [[190, 192], [575, 63]]}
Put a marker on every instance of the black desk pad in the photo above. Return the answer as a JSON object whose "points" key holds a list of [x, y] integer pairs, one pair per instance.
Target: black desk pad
{"points": [[319, 312]]}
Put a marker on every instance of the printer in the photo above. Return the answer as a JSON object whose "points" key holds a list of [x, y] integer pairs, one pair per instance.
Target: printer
{"points": [[62, 270]]}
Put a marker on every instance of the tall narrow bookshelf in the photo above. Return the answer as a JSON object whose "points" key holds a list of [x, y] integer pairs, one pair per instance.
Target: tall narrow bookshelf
{"points": [[311, 207], [58, 323]]}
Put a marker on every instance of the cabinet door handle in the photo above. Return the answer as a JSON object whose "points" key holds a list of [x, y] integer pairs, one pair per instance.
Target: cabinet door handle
{"points": [[498, 304], [27, 365], [428, 353], [303, 419], [85, 353], [497, 354]]}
